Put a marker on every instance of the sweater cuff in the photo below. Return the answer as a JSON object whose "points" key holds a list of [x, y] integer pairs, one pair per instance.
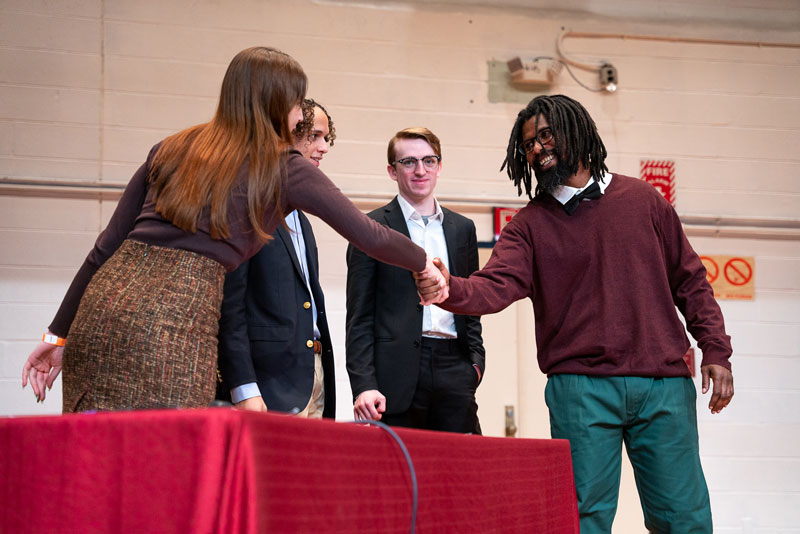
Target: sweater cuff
{"points": [[455, 295], [717, 355]]}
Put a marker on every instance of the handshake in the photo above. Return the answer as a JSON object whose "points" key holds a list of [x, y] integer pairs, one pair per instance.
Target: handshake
{"points": [[433, 284]]}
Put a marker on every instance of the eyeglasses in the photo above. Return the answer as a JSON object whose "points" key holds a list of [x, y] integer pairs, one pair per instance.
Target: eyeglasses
{"points": [[543, 137], [429, 162]]}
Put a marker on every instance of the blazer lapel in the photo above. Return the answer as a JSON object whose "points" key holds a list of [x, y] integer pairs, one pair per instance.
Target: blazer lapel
{"points": [[393, 215], [284, 235], [311, 248], [395, 220], [451, 240]]}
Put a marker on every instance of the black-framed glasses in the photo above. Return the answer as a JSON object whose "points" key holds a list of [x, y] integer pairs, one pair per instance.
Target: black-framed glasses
{"points": [[543, 137], [429, 162]]}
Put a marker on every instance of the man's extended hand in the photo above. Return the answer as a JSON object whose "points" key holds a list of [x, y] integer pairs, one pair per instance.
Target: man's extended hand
{"points": [[430, 289], [723, 386], [369, 404]]}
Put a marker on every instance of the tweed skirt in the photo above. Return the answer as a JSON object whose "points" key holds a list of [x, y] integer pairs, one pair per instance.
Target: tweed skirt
{"points": [[145, 334]]}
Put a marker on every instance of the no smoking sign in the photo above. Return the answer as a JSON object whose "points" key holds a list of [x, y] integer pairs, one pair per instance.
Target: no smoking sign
{"points": [[731, 277]]}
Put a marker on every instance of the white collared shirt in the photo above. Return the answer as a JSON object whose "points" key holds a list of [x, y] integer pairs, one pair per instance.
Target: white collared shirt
{"points": [[563, 193], [436, 322]]}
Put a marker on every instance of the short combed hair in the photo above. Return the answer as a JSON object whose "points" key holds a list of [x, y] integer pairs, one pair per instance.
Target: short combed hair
{"points": [[416, 132], [576, 139], [304, 127]]}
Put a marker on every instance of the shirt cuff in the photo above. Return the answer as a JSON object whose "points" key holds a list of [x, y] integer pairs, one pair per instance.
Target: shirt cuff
{"points": [[244, 392]]}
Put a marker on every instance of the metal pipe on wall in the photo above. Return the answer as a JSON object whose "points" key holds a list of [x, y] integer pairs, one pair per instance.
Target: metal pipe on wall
{"points": [[669, 38], [694, 224]]}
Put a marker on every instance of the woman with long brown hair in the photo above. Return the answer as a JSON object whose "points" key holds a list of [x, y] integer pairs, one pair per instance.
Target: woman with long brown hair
{"points": [[138, 325]]}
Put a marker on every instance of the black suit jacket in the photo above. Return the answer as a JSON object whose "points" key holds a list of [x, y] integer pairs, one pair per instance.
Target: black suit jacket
{"points": [[384, 316], [267, 321]]}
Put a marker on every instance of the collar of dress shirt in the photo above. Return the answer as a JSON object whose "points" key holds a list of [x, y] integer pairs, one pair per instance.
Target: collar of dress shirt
{"points": [[293, 222], [563, 193], [410, 214]]}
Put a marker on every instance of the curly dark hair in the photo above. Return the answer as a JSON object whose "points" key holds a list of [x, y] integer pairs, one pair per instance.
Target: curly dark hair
{"points": [[304, 127], [576, 138]]}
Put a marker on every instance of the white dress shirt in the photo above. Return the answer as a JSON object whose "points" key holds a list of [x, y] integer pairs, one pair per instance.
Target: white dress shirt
{"points": [[563, 193], [429, 235]]}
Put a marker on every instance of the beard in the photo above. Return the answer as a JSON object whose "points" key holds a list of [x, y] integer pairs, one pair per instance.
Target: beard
{"points": [[550, 179]]}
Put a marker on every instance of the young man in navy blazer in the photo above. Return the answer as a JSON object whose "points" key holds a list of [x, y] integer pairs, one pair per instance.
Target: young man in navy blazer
{"points": [[275, 349]]}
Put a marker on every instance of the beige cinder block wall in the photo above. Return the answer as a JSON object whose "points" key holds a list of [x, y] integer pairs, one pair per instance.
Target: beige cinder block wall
{"points": [[86, 87]]}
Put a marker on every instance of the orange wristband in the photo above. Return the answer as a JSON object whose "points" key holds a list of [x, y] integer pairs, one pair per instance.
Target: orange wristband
{"points": [[54, 340]]}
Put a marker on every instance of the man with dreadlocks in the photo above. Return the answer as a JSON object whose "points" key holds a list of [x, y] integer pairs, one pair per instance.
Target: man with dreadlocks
{"points": [[604, 260]]}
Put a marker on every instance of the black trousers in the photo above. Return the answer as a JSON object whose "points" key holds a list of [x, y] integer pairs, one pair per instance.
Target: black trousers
{"points": [[445, 394]]}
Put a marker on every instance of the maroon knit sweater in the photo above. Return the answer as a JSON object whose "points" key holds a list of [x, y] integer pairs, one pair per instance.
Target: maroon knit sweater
{"points": [[304, 187], [604, 284]]}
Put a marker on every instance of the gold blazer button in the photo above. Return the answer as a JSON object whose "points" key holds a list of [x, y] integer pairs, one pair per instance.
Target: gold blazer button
{"points": [[306, 305], [309, 343]]}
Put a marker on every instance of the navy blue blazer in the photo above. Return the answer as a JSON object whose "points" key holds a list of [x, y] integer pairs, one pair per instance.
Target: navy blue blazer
{"points": [[266, 323]]}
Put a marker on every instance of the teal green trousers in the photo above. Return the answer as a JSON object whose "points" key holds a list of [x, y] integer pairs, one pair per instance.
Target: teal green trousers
{"points": [[656, 418]]}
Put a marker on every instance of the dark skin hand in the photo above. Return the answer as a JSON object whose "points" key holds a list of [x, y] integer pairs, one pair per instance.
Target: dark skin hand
{"points": [[429, 288], [723, 386], [721, 377]]}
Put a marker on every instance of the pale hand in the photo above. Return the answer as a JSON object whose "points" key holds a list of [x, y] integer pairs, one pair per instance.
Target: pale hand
{"points": [[433, 284], [41, 368], [253, 404], [369, 404], [429, 287]]}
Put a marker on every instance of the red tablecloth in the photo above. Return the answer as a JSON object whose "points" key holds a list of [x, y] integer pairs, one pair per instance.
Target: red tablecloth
{"points": [[225, 471]]}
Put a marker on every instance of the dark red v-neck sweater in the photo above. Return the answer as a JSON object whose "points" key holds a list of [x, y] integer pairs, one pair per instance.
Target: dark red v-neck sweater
{"points": [[604, 283]]}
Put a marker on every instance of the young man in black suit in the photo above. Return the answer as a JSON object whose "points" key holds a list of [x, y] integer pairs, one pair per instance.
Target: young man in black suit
{"points": [[275, 350], [412, 365]]}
